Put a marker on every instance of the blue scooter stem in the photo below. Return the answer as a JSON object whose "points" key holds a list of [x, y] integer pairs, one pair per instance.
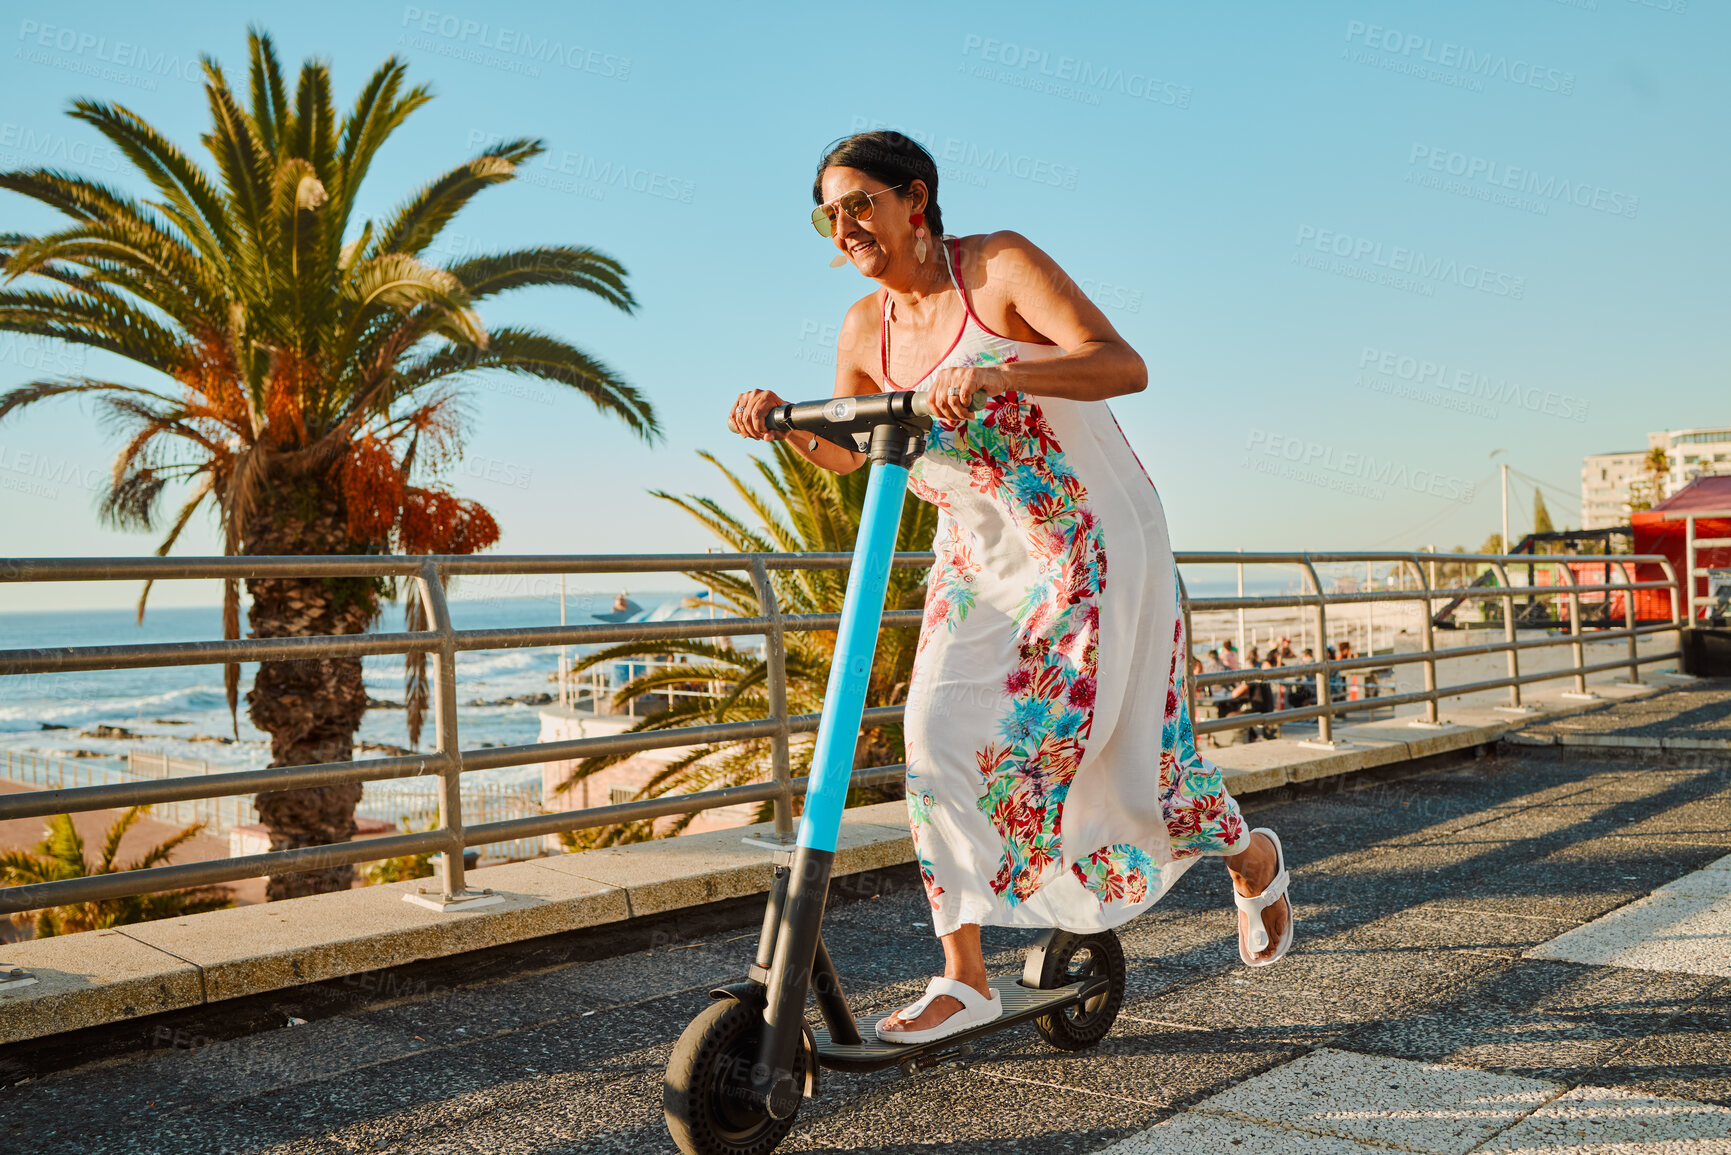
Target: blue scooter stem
{"points": [[796, 945], [856, 643]]}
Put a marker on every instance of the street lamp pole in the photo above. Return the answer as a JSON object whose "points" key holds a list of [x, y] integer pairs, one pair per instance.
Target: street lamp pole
{"points": [[1504, 470]]}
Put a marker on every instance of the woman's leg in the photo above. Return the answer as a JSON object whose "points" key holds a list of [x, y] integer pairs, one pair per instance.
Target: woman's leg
{"points": [[1252, 869], [964, 962]]}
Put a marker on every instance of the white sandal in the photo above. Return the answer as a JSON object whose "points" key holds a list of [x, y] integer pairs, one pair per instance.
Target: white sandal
{"points": [[1253, 908], [977, 1010]]}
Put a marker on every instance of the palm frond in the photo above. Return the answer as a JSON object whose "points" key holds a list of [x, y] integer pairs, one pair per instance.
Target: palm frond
{"points": [[193, 202], [528, 353], [424, 216], [579, 268]]}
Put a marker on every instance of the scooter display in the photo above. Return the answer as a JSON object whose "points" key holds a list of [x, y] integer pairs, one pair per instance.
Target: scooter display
{"points": [[741, 1069]]}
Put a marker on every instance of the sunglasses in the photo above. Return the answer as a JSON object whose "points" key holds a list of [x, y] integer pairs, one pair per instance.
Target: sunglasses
{"points": [[856, 204]]}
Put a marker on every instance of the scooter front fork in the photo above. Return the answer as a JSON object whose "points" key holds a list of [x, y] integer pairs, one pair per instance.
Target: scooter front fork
{"points": [[796, 949]]}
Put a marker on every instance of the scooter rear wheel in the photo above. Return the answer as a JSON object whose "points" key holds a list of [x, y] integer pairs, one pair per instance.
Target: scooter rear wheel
{"points": [[1073, 958], [706, 1095]]}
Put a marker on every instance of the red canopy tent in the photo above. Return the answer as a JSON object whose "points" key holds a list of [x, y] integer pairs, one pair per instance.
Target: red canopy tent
{"points": [[1664, 529]]}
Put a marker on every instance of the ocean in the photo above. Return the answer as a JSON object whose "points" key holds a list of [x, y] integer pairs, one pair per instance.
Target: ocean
{"points": [[181, 711]]}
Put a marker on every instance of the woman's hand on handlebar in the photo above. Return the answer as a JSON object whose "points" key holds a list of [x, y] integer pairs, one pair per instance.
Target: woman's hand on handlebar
{"points": [[952, 391], [749, 416]]}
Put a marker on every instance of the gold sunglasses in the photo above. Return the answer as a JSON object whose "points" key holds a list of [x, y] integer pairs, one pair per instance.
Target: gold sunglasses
{"points": [[856, 204]]}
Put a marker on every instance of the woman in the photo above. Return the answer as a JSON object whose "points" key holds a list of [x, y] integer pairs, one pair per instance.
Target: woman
{"points": [[1042, 790]]}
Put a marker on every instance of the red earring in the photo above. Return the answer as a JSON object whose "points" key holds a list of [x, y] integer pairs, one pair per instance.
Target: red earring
{"points": [[917, 220]]}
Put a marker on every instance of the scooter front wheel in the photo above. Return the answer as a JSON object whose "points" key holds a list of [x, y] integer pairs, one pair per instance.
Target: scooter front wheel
{"points": [[1076, 958], [707, 1093]]}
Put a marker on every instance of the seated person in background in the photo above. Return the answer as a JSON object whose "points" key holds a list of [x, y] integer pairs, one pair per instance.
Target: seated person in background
{"points": [[1212, 663], [1252, 659], [1230, 657], [1284, 649], [1276, 691]]}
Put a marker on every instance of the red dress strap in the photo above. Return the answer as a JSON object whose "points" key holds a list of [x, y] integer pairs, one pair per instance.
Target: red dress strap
{"points": [[967, 301], [961, 287], [884, 337]]}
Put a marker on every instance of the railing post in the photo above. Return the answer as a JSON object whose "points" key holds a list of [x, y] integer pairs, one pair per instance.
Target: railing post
{"points": [[1324, 695], [456, 894], [775, 655], [1189, 646], [1509, 636], [1628, 572], [1242, 648], [1577, 649], [1689, 567], [1427, 636]]}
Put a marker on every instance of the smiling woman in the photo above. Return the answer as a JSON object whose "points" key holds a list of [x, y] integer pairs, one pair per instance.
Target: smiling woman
{"points": [[1053, 778]]}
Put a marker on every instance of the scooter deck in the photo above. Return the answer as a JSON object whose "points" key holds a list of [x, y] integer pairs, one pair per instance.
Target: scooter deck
{"points": [[1021, 1003]]}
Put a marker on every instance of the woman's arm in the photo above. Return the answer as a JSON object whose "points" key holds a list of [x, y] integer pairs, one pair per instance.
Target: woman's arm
{"points": [[1019, 291]]}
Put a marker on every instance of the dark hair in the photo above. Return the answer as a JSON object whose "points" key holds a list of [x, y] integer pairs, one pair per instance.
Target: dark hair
{"points": [[887, 156]]}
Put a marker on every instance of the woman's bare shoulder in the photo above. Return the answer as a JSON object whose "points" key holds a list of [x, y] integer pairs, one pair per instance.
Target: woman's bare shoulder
{"points": [[856, 347], [1004, 249]]}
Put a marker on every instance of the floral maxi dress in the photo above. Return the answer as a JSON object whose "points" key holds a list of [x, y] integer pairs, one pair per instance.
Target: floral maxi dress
{"points": [[1053, 777]]}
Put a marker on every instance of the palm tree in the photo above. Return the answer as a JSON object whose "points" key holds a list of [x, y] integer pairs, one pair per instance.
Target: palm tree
{"points": [[310, 369], [806, 510], [1648, 491], [60, 855]]}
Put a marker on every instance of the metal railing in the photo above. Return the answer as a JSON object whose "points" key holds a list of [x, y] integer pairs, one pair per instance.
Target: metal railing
{"points": [[449, 761], [1324, 671], [1695, 606]]}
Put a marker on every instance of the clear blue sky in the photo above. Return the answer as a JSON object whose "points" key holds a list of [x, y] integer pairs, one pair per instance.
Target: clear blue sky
{"points": [[1385, 239]]}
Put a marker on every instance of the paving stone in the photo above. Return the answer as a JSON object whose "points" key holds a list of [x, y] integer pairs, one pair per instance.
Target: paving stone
{"points": [[1711, 881], [1663, 932], [1417, 1106], [1196, 1133], [1688, 1058], [1608, 1121]]}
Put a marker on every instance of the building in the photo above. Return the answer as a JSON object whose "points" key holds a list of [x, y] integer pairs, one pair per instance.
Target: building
{"points": [[1605, 482], [1609, 479]]}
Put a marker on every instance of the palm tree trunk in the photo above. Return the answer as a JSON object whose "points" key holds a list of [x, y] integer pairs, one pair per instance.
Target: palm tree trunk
{"points": [[310, 708]]}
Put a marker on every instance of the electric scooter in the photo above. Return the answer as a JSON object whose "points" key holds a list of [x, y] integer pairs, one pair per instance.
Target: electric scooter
{"points": [[740, 1070]]}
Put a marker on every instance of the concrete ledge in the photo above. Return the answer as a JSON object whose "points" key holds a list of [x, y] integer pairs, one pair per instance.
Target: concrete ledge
{"points": [[86, 980], [102, 977], [1620, 741]]}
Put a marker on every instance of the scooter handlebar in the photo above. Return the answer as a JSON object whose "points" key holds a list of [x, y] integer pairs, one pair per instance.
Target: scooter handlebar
{"points": [[859, 413]]}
